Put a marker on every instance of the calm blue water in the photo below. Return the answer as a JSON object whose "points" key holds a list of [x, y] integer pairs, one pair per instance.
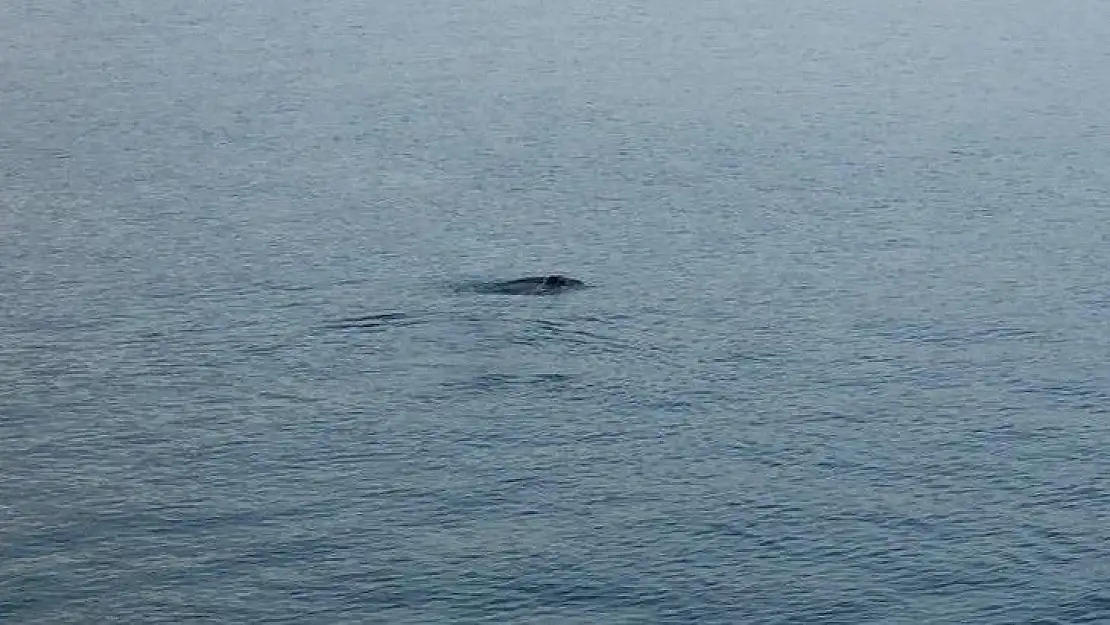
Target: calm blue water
{"points": [[847, 357]]}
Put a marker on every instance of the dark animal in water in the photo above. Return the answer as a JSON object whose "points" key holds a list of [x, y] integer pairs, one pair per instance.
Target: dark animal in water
{"points": [[534, 285]]}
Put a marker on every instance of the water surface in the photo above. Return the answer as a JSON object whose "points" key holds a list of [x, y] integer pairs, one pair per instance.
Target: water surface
{"points": [[844, 359]]}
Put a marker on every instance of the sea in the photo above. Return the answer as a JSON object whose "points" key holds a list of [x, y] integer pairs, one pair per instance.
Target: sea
{"points": [[844, 356]]}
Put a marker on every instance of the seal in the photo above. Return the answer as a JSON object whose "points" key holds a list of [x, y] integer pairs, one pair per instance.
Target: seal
{"points": [[534, 285]]}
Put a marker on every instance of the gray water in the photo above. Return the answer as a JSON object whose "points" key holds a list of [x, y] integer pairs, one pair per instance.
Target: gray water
{"points": [[845, 358]]}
